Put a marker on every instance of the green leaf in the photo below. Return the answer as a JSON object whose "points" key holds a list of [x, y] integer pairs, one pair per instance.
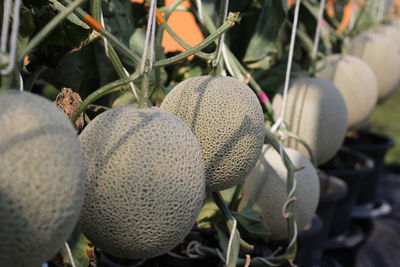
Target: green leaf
{"points": [[223, 241], [71, 17], [137, 40], [250, 221], [265, 46], [78, 245]]}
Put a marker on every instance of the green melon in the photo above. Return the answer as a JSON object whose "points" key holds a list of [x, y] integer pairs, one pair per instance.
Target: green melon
{"points": [[383, 57], [316, 112], [145, 181], [227, 120], [266, 186], [41, 179], [356, 81]]}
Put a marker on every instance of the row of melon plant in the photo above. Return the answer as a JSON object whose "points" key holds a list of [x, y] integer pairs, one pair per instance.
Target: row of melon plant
{"points": [[147, 170]]}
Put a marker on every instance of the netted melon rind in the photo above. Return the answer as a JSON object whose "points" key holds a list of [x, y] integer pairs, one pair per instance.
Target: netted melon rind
{"points": [[357, 83], [227, 120], [266, 186], [145, 181], [316, 112], [383, 57], [41, 179]]}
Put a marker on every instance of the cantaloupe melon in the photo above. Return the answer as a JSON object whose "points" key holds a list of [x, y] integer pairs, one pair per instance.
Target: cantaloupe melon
{"points": [[266, 185], [41, 179], [356, 82], [145, 181], [227, 119], [316, 112], [382, 56]]}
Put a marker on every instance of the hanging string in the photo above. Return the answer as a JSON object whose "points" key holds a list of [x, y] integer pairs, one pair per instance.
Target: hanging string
{"points": [[13, 39], [352, 14], [200, 9], [381, 10], [104, 38], [222, 38], [106, 50], [288, 68], [150, 38], [228, 251], [318, 30], [5, 25], [71, 258]]}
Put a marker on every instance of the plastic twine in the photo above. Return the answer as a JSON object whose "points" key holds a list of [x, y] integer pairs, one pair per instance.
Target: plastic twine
{"points": [[228, 251], [352, 14], [318, 30], [5, 25], [13, 37], [150, 38], [278, 123], [381, 9], [200, 9], [106, 50], [71, 258], [222, 38]]}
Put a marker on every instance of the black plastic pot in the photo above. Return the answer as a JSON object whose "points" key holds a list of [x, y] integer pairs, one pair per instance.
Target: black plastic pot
{"points": [[375, 146], [332, 190], [351, 166], [110, 261], [344, 248]]}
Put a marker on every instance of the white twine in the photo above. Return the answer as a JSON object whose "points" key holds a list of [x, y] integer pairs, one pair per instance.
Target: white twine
{"points": [[21, 83], [381, 9], [106, 50], [318, 30], [131, 84], [70, 254], [13, 39], [294, 236], [352, 14], [219, 52], [104, 38], [226, 60], [278, 123], [150, 38], [231, 240], [5, 25], [200, 9]]}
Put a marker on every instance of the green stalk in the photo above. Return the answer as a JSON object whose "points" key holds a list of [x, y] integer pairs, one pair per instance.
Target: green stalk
{"points": [[49, 27], [229, 23], [215, 62], [271, 139], [110, 37], [112, 54], [219, 201], [104, 90], [96, 9], [144, 99]]}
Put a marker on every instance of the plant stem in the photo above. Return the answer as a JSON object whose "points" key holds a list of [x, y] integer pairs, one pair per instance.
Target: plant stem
{"points": [[291, 223], [96, 9], [219, 201], [112, 54], [144, 99], [83, 16], [220, 41], [230, 22], [49, 27], [105, 90]]}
